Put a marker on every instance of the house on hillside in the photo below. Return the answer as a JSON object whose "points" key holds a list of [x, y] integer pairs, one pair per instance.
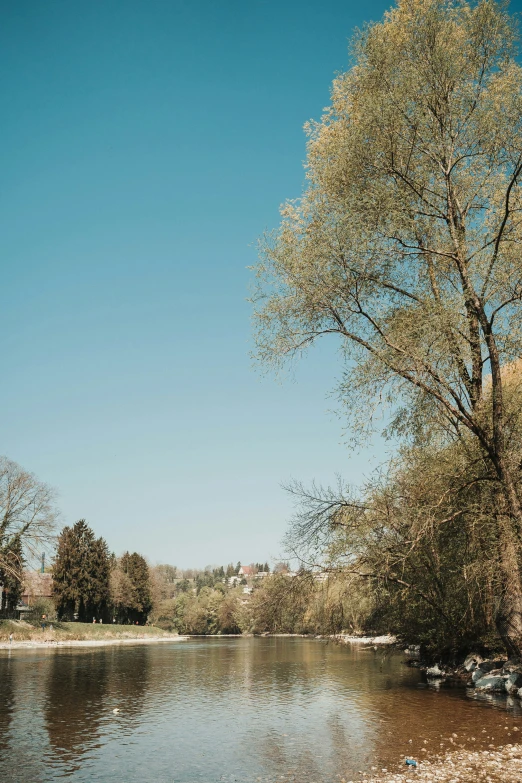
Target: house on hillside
{"points": [[246, 571], [36, 586]]}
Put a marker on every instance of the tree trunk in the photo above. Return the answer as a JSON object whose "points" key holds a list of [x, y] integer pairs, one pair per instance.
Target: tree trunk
{"points": [[509, 615]]}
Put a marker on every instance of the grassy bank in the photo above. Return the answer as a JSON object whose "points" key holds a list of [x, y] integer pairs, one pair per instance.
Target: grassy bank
{"points": [[66, 632]]}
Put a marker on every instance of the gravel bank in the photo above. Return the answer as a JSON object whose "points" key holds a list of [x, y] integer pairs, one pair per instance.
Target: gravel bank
{"points": [[500, 765]]}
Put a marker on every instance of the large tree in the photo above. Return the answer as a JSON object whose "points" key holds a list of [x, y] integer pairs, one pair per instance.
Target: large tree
{"points": [[81, 573], [131, 589], [27, 515], [11, 575], [406, 243]]}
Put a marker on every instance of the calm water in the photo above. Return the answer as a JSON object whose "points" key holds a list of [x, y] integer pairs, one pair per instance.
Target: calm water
{"points": [[207, 710]]}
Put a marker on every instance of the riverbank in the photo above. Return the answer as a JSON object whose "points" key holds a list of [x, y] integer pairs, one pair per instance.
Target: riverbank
{"points": [[371, 640], [499, 765], [27, 635], [343, 638]]}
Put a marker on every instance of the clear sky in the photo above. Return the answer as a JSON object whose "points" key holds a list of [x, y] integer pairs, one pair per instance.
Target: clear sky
{"points": [[146, 145]]}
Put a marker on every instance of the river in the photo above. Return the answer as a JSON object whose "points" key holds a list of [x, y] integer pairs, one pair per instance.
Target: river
{"points": [[230, 709]]}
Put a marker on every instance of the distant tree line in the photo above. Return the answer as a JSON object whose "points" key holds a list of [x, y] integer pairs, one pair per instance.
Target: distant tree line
{"points": [[90, 583], [279, 603]]}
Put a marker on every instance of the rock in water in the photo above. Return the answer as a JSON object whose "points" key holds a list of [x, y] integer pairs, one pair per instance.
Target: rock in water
{"points": [[514, 682], [434, 672], [491, 683]]}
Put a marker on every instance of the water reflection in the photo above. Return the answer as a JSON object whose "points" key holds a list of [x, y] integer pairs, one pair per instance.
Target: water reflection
{"points": [[7, 701], [227, 709], [82, 690]]}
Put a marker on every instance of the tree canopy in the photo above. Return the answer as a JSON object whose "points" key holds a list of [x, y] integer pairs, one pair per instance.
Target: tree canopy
{"points": [[27, 514], [406, 243], [131, 589], [81, 573]]}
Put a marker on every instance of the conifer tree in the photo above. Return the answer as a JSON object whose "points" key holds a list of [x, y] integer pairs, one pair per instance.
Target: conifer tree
{"points": [[11, 575], [81, 574], [131, 589]]}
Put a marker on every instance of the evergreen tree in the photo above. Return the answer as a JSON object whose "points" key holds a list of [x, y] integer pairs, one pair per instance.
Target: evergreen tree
{"points": [[81, 574], [131, 589], [11, 575]]}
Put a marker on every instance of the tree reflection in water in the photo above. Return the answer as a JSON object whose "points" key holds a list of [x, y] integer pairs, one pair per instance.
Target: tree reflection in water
{"points": [[213, 710], [7, 702], [83, 690]]}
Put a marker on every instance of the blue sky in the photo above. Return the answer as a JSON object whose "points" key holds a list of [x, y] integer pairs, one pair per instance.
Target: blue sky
{"points": [[146, 145]]}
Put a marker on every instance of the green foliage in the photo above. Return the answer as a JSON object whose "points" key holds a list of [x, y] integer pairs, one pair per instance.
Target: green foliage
{"points": [[210, 611], [81, 574], [230, 615], [205, 579], [184, 586], [131, 589], [11, 574], [191, 613], [305, 604], [40, 607], [278, 604]]}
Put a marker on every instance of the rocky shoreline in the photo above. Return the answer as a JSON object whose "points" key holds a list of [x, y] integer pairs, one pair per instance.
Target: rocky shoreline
{"points": [[486, 675], [498, 676]]}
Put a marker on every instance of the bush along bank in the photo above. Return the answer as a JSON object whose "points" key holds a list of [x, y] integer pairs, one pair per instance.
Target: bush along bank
{"points": [[486, 675]]}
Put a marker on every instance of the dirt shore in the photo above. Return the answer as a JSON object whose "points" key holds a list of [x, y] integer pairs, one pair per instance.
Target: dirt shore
{"points": [[499, 765]]}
